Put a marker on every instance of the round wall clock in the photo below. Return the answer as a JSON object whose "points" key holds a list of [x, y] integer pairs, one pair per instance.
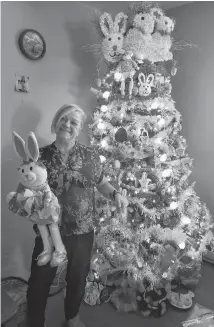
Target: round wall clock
{"points": [[32, 44]]}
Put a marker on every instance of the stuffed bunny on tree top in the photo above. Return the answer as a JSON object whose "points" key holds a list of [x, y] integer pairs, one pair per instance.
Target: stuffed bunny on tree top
{"points": [[35, 200]]}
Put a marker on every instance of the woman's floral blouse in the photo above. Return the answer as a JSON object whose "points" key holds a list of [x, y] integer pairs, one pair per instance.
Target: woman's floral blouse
{"points": [[73, 183]]}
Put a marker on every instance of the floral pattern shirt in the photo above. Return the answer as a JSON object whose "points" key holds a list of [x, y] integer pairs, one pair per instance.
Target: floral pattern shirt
{"points": [[73, 183]]}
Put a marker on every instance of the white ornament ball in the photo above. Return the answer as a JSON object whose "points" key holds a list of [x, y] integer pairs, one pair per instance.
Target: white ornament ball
{"points": [[106, 95], [182, 245], [102, 158], [166, 173], [185, 220], [173, 205], [163, 157], [103, 108], [117, 76]]}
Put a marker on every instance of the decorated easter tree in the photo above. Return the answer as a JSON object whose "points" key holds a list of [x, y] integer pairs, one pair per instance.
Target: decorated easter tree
{"points": [[136, 130]]}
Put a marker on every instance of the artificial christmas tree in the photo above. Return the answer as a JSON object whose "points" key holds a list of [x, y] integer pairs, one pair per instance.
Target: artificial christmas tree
{"points": [[136, 131]]}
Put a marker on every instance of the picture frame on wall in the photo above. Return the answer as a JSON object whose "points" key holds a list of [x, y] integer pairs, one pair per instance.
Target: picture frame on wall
{"points": [[32, 44]]}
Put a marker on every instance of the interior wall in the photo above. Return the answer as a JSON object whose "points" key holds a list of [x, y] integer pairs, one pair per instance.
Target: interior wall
{"points": [[66, 74], [192, 90]]}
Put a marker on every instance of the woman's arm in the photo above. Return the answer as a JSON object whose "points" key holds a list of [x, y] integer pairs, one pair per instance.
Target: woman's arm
{"points": [[106, 189]]}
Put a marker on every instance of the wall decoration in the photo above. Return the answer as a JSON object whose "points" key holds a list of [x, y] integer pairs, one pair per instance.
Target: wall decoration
{"points": [[22, 84], [32, 44]]}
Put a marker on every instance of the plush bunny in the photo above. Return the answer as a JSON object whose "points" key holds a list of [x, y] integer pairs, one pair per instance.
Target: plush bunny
{"points": [[36, 201], [137, 42], [145, 22], [126, 69], [164, 24], [145, 40], [146, 84], [113, 32]]}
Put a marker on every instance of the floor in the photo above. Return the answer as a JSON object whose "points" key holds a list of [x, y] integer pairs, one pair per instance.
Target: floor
{"points": [[106, 316]]}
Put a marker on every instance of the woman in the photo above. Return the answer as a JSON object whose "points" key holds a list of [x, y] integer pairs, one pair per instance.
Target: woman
{"points": [[73, 171]]}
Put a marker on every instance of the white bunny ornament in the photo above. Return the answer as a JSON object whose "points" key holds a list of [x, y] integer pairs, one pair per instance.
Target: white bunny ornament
{"points": [[35, 201], [113, 31], [146, 84]]}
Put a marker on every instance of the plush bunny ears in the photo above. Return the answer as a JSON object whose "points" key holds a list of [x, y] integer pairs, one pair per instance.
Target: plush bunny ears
{"points": [[32, 150], [149, 80], [109, 26]]}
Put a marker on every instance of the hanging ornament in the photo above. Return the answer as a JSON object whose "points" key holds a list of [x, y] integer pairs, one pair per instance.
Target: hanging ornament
{"points": [[121, 135], [167, 257], [144, 136], [105, 295], [102, 159], [174, 68], [146, 84], [144, 182], [135, 90], [159, 79], [98, 82], [103, 108]]}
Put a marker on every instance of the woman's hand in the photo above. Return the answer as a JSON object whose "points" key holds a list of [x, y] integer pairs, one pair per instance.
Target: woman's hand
{"points": [[121, 204]]}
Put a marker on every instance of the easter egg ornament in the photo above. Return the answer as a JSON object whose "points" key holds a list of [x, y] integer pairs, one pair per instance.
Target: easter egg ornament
{"points": [[121, 135]]}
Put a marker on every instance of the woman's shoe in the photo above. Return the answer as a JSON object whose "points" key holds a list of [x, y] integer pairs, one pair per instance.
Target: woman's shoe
{"points": [[58, 258], [44, 258]]}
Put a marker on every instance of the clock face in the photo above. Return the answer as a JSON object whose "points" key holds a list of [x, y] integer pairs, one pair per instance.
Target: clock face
{"points": [[32, 44]]}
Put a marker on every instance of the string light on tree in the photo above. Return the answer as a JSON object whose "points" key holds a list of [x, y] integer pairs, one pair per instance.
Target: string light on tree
{"points": [[173, 205], [167, 172], [161, 122], [101, 125], [102, 159], [106, 95], [182, 245], [163, 157], [103, 108], [117, 76], [104, 143], [154, 105], [185, 220]]}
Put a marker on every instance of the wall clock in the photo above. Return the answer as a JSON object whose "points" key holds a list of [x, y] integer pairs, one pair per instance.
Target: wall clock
{"points": [[32, 44]]}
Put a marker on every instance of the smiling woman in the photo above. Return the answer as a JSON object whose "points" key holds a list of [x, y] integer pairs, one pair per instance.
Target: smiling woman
{"points": [[66, 110], [73, 172]]}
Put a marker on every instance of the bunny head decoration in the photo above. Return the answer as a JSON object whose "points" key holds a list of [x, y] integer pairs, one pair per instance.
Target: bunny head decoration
{"points": [[165, 24], [113, 32], [145, 22], [146, 84], [31, 173], [144, 15]]}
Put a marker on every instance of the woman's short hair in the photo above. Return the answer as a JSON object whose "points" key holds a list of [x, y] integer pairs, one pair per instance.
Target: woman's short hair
{"points": [[65, 110]]}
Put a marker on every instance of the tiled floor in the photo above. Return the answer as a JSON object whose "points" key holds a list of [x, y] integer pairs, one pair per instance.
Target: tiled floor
{"points": [[107, 316]]}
